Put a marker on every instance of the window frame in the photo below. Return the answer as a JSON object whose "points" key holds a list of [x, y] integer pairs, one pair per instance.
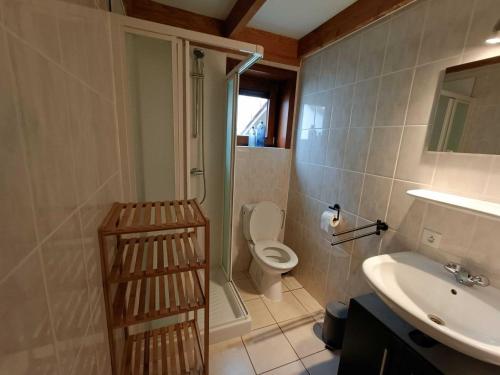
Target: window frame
{"points": [[279, 86], [260, 88]]}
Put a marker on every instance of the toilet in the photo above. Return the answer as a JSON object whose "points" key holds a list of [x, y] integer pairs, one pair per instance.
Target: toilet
{"points": [[262, 223]]}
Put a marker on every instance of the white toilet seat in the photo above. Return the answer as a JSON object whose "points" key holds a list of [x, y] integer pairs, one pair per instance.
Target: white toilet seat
{"points": [[276, 255]]}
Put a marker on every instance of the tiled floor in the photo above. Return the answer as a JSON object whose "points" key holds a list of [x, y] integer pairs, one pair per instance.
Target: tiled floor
{"points": [[285, 336]]}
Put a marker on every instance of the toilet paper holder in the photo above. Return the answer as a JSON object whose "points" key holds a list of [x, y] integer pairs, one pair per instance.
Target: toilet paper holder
{"points": [[379, 226], [336, 207]]}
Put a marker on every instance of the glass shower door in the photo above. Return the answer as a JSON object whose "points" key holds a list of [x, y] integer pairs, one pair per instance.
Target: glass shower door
{"points": [[232, 89]]}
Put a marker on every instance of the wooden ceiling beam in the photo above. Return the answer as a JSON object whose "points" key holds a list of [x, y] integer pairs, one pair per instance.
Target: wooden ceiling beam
{"points": [[152, 11], [277, 48], [241, 13], [354, 17]]}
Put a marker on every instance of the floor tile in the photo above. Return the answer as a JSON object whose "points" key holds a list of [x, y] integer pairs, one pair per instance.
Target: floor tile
{"points": [[308, 301], [284, 288], [268, 348], [230, 358], [288, 308], [261, 317], [304, 334], [294, 368], [291, 282], [246, 289], [322, 363]]}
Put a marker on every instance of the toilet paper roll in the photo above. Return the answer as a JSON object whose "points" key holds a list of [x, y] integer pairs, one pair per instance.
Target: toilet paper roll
{"points": [[329, 221]]}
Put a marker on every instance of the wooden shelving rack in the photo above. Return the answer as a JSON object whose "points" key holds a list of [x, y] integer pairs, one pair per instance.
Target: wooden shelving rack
{"points": [[151, 262]]}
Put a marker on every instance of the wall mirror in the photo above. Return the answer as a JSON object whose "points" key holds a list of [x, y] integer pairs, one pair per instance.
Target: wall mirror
{"points": [[466, 115]]}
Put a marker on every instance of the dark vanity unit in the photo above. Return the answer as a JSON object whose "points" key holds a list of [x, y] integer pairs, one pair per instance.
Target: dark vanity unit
{"points": [[378, 342]]}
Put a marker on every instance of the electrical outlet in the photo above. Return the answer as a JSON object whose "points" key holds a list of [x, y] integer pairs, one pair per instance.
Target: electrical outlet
{"points": [[431, 238]]}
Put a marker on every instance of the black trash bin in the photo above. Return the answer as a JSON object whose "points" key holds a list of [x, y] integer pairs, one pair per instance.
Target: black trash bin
{"points": [[334, 325]]}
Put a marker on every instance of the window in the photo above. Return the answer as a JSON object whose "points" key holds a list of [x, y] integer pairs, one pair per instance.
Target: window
{"points": [[267, 94], [252, 110]]}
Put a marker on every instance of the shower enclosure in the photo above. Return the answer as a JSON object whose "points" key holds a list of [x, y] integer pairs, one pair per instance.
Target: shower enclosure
{"points": [[170, 89]]}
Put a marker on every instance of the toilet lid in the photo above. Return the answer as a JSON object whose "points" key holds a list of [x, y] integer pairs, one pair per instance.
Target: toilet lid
{"points": [[265, 222]]}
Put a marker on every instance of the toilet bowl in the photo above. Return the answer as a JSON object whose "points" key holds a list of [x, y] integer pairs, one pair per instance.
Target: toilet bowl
{"points": [[262, 223]]}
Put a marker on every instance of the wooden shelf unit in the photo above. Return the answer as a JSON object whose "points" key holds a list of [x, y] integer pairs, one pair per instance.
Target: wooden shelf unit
{"points": [[151, 261]]}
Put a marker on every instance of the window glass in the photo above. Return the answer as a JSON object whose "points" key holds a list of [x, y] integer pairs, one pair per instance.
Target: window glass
{"points": [[251, 111]]}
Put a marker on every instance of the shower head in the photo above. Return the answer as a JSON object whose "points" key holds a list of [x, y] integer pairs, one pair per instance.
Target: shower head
{"points": [[198, 53]]}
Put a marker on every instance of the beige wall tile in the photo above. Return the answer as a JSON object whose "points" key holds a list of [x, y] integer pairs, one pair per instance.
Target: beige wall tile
{"points": [[375, 197], [422, 40], [424, 89], [414, 163], [445, 29], [18, 234], [67, 288], [42, 91], [342, 101], [365, 102], [462, 173], [350, 191], [328, 69], [68, 131], [384, 150], [371, 55], [26, 329], [405, 213], [404, 37], [356, 149], [35, 22], [336, 147], [393, 100], [348, 60], [454, 227], [485, 14]]}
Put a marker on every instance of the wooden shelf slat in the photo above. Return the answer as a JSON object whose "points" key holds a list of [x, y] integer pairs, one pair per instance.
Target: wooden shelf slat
{"points": [[139, 257], [145, 299], [156, 275], [147, 217], [167, 350]]}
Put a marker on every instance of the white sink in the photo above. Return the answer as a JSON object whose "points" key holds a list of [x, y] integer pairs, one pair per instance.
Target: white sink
{"points": [[424, 294]]}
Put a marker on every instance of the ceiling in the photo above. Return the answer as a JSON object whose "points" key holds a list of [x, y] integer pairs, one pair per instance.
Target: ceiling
{"points": [[213, 8], [296, 18], [292, 18]]}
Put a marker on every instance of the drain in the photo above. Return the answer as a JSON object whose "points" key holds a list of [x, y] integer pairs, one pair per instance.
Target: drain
{"points": [[436, 319]]}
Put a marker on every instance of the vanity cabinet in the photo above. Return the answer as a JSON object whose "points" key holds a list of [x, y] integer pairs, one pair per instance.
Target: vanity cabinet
{"points": [[377, 341]]}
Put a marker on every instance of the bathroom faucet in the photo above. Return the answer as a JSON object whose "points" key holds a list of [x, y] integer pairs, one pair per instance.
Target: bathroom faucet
{"points": [[463, 276]]}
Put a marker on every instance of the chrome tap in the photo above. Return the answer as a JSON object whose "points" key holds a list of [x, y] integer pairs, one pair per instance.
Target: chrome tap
{"points": [[463, 276]]}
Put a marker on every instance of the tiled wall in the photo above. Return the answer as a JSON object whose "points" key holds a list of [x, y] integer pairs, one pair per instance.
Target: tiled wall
{"points": [[364, 110], [59, 166], [260, 174]]}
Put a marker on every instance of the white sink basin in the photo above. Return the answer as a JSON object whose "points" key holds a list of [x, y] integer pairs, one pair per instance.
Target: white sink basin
{"points": [[424, 294]]}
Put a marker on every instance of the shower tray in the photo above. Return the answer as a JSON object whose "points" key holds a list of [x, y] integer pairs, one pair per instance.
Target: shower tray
{"points": [[228, 316]]}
